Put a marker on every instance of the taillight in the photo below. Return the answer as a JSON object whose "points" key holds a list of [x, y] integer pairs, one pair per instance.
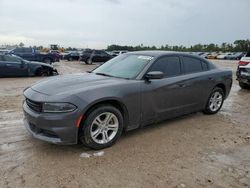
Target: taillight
{"points": [[243, 63]]}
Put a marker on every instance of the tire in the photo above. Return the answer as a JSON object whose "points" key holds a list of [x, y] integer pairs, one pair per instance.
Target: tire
{"points": [[47, 60], [70, 59], [42, 73], [215, 101], [97, 132], [244, 86]]}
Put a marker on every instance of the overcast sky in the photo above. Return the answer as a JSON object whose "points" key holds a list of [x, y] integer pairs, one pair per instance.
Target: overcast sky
{"points": [[98, 23]]}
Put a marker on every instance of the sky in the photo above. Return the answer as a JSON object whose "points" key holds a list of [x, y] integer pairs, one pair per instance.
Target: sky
{"points": [[98, 23]]}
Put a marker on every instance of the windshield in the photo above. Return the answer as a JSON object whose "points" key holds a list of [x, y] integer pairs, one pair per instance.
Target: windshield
{"points": [[124, 66]]}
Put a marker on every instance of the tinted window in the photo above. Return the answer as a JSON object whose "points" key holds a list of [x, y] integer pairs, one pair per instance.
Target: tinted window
{"points": [[12, 59], [27, 50], [98, 52], [18, 50], [192, 65], [170, 66]]}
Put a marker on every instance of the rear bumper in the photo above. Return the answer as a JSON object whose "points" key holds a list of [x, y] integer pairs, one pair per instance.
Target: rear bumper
{"points": [[53, 128], [243, 75]]}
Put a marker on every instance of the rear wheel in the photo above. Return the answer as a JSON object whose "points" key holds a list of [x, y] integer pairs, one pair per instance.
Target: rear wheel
{"points": [[215, 101], [102, 127], [244, 85]]}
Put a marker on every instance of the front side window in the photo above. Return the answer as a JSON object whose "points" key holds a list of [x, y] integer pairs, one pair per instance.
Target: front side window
{"points": [[170, 66], [192, 65], [124, 66]]}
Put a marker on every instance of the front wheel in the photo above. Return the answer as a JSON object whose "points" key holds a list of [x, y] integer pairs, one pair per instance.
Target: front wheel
{"points": [[215, 101], [102, 127]]}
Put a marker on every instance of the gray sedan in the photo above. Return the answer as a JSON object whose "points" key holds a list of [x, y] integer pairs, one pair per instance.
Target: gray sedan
{"points": [[125, 93]]}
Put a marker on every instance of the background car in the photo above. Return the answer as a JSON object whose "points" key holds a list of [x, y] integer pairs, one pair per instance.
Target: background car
{"points": [[204, 55], [72, 56], [212, 55], [13, 66], [224, 55], [89, 56], [235, 56], [4, 51], [243, 72], [31, 54], [116, 53]]}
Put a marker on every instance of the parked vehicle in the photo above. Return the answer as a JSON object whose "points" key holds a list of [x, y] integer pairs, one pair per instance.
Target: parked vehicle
{"points": [[31, 54], [204, 55], [224, 55], [4, 51], [72, 56], [116, 53], [212, 56], [13, 66], [235, 56], [127, 92], [243, 72], [90, 56]]}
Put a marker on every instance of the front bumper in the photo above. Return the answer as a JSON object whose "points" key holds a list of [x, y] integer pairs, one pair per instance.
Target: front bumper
{"points": [[53, 128]]}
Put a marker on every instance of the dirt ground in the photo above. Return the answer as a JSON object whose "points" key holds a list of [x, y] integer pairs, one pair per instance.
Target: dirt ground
{"points": [[192, 151]]}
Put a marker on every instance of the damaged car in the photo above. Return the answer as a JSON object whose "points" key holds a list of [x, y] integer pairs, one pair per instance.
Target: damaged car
{"points": [[14, 66]]}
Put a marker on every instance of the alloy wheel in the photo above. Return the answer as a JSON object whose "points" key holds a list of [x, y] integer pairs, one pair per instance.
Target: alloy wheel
{"points": [[215, 101], [104, 128]]}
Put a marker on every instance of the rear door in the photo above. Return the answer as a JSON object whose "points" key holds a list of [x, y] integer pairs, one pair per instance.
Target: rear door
{"points": [[197, 82]]}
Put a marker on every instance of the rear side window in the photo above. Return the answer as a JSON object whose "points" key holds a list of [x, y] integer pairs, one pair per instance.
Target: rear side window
{"points": [[11, 59], [170, 66], [192, 65]]}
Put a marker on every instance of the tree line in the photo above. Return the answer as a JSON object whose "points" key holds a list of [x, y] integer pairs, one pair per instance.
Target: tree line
{"points": [[236, 46]]}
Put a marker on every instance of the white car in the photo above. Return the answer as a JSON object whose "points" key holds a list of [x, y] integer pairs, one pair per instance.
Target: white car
{"points": [[223, 56], [243, 72]]}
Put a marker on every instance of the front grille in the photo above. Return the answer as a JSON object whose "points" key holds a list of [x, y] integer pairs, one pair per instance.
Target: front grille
{"points": [[35, 106]]}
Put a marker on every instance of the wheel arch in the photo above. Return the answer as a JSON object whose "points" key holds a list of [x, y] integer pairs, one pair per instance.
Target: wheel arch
{"points": [[223, 87], [109, 101]]}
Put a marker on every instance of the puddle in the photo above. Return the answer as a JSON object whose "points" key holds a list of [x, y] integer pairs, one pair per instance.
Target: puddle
{"points": [[95, 154]]}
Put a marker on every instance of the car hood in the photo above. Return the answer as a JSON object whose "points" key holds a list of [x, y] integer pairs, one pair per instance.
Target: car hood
{"points": [[73, 84]]}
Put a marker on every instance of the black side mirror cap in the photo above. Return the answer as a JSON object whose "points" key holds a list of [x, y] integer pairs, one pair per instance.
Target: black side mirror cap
{"points": [[154, 75]]}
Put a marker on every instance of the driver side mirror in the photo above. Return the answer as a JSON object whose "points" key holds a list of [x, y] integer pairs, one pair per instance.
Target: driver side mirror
{"points": [[153, 75]]}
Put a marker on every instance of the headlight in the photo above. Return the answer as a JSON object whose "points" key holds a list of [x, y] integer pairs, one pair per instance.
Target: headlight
{"points": [[58, 107]]}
